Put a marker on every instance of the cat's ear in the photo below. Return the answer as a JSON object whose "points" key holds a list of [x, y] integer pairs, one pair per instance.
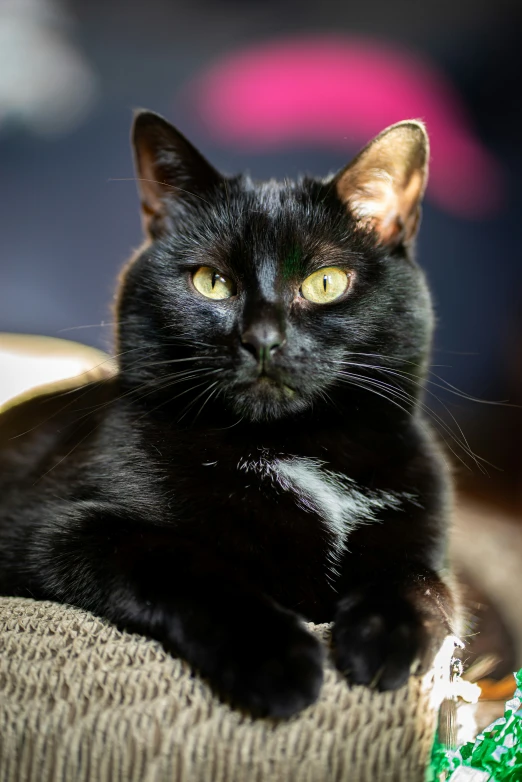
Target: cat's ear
{"points": [[384, 185], [169, 170]]}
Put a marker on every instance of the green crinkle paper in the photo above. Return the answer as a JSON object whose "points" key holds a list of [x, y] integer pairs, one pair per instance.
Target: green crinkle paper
{"points": [[497, 750]]}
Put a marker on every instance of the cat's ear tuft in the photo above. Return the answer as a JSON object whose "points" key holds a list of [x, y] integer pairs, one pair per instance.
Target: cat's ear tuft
{"points": [[384, 185], [170, 171]]}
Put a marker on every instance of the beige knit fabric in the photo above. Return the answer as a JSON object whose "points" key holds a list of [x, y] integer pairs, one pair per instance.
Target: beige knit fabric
{"points": [[82, 702]]}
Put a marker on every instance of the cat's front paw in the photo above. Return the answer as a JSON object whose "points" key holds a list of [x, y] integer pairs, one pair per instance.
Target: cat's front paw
{"points": [[274, 674], [379, 640], [261, 659]]}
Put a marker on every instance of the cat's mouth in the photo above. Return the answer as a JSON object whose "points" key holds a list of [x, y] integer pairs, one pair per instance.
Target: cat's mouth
{"points": [[266, 383], [266, 396]]}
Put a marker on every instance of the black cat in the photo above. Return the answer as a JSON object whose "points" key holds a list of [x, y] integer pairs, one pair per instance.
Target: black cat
{"points": [[261, 456]]}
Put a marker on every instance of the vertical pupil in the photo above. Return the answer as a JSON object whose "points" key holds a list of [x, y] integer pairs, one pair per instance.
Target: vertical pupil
{"points": [[325, 282], [215, 275]]}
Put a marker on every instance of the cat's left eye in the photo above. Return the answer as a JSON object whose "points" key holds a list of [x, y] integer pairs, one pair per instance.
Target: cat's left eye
{"points": [[213, 284], [325, 285]]}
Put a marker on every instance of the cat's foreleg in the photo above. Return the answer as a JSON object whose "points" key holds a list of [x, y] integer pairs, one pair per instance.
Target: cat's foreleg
{"points": [[394, 612], [148, 581]]}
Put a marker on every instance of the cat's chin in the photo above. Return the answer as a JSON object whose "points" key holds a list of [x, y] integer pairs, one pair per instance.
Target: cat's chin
{"points": [[266, 399]]}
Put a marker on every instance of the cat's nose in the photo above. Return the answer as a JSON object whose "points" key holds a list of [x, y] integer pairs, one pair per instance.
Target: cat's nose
{"points": [[263, 340]]}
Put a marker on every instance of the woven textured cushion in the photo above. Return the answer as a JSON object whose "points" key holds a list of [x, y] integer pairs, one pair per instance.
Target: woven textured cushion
{"points": [[82, 701]]}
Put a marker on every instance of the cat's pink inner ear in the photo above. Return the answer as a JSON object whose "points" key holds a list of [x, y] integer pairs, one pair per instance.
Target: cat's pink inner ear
{"points": [[384, 185]]}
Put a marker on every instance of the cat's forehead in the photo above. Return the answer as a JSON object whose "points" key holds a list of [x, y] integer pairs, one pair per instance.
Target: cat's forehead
{"points": [[284, 228], [275, 198]]}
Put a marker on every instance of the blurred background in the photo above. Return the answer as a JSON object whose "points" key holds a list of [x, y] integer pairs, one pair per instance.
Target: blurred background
{"points": [[275, 87]]}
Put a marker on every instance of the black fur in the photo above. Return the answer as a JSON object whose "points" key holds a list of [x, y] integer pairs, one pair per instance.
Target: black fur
{"points": [[214, 508]]}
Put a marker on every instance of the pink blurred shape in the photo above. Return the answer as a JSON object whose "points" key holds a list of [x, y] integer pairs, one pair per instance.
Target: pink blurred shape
{"points": [[340, 92]]}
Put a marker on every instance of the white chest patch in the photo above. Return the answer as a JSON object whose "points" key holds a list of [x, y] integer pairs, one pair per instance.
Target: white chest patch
{"points": [[334, 497]]}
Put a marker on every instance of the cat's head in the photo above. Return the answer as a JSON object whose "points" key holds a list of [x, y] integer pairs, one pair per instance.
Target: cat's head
{"points": [[269, 298]]}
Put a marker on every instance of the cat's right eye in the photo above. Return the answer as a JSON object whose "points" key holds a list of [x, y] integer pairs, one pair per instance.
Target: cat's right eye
{"points": [[326, 285], [213, 284]]}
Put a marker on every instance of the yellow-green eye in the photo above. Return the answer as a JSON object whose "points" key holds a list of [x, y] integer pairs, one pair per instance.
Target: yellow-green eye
{"points": [[325, 285], [212, 284]]}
